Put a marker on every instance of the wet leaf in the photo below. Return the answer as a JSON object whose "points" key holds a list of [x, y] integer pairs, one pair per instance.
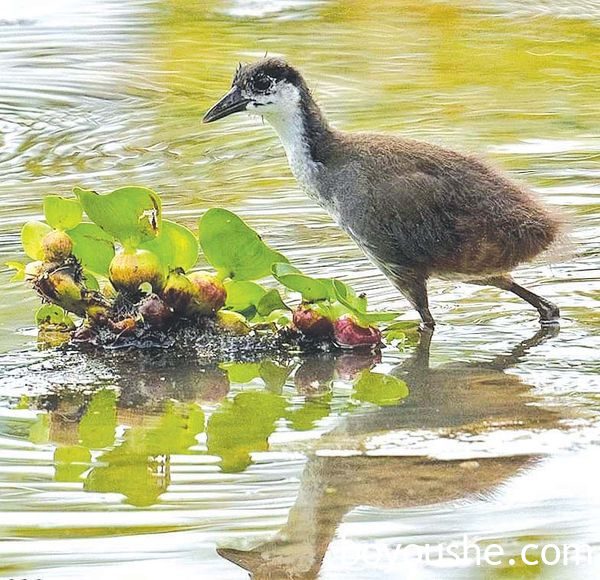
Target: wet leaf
{"points": [[357, 304], [312, 289], [271, 302], [93, 247], [379, 389], [62, 213], [131, 215], [32, 234], [233, 248], [175, 245], [53, 315], [243, 294]]}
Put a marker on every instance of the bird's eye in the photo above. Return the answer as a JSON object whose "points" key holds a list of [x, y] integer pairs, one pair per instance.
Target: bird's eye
{"points": [[261, 83]]}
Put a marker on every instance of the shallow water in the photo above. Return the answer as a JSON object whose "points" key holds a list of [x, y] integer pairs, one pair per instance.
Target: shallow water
{"points": [[138, 467]]}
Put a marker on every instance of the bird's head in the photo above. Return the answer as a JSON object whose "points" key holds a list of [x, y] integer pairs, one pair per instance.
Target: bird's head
{"points": [[269, 87]]}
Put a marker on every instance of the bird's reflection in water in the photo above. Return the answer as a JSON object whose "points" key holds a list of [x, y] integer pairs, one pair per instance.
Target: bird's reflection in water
{"points": [[450, 398]]}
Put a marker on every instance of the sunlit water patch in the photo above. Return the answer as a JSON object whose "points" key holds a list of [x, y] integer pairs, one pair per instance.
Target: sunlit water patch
{"points": [[137, 468]]}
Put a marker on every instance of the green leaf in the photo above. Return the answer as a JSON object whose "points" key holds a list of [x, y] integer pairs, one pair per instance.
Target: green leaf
{"points": [[53, 315], [358, 305], [270, 302], [93, 247], [62, 213], [32, 234], [243, 294], [175, 245], [312, 289], [19, 269], [91, 282], [379, 389], [233, 248], [131, 215]]}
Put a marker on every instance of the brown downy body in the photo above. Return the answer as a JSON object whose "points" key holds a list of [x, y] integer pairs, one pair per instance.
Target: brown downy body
{"points": [[416, 209]]}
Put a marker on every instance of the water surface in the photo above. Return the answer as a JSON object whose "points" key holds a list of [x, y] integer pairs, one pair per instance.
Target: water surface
{"points": [[138, 467]]}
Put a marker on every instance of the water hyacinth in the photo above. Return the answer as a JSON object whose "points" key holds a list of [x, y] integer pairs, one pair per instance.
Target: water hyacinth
{"points": [[112, 261]]}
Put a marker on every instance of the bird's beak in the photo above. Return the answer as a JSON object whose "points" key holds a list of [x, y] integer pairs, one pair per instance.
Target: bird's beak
{"points": [[232, 102]]}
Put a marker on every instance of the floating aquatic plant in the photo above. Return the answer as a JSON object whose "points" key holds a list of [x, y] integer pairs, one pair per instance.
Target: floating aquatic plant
{"points": [[113, 262]]}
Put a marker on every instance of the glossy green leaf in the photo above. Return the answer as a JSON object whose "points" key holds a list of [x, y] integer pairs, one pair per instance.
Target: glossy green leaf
{"points": [[91, 282], [233, 248], [53, 315], [312, 289], [379, 389], [32, 234], [93, 247], [175, 245], [358, 305], [131, 215], [62, 213], [19, 269], [243, 294], [270, 302]]}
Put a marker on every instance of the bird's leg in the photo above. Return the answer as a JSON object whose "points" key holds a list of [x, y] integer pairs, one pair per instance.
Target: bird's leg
{"points": [[549, 312], [414, 286]]}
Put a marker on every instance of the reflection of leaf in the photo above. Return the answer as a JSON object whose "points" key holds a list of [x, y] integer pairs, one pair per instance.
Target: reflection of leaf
{"points": [[19, 269], [93, 247], [379, 389], [176, 431], [304, 418], [39, 432], [242, 426], [132, 215], [175, 245], [233, 248], [71, 462], [32, 234], [273, 375], [130, 468], [62, 213], [97, 427], [241, 372]]}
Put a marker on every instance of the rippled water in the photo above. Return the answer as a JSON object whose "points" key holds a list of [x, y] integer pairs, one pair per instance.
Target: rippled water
{"points": [[139, 467]]}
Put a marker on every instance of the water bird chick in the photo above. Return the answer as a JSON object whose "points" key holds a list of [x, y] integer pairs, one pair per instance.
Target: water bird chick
{"points": [[417, 210]]}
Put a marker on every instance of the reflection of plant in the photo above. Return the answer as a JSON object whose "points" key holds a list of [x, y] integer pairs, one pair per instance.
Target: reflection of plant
{"points": [[99, 270]]}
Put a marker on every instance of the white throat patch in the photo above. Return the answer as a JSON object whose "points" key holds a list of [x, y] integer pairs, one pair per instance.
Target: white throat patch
{"points": [[284, 114]]}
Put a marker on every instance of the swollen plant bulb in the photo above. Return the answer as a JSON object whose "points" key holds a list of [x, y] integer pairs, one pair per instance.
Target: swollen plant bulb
{"points": [[129, 270]]}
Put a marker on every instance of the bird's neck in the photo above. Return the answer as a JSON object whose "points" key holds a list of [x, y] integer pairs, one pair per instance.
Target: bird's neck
{"points": [[305, 135]]}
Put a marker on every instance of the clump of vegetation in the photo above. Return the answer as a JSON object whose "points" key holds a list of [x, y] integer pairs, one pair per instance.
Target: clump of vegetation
{"points": [[109, 263]]}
